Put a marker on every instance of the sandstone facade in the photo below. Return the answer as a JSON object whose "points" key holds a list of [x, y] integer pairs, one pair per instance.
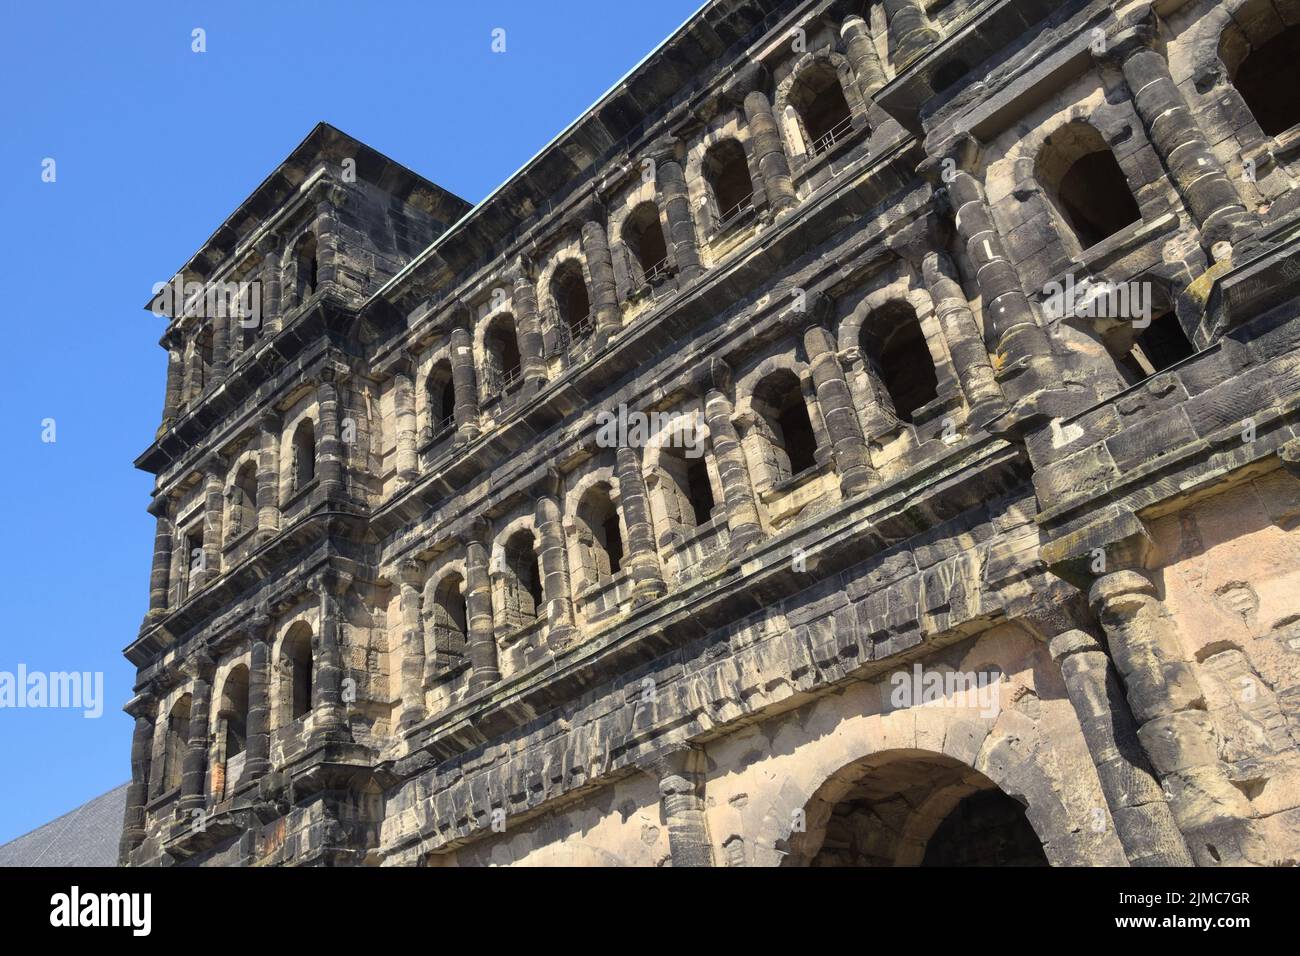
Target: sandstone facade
{"points": [[409, 606]]}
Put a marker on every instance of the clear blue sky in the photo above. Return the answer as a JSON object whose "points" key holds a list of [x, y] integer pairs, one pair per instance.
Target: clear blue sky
{"points": [[154, 146]]}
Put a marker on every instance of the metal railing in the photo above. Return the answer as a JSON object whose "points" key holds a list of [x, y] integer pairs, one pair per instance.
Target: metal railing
{"points": [[655, 272], [832, 136], [735, 211]]}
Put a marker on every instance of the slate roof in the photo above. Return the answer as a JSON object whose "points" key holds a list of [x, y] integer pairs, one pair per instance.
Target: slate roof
{"points": [[86, 836]]}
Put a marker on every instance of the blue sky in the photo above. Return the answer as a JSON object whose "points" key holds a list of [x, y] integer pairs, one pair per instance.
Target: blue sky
{"points": [[154, 145]]}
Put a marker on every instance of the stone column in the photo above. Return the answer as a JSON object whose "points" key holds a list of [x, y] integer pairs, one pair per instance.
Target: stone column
{"points": [[554, 558], [769, 153], [268, 477], [404, 412], [478, 605], [214, 470], [531, 348], [600, 265], [1173, 131], [1143, 821], [269, 278], [329, 448], [144, 708], [910, 32], [195, 763], [328, 713], [1173, 726], [257, 756], [848, 445], [643, 557], [411, 577], [160, 572], [175, 377], [712, 381], [328, 197], [1026, 353], [861, 50], [680, 771], [193, 367], [670, 181], [965, 341], [465, 383]]}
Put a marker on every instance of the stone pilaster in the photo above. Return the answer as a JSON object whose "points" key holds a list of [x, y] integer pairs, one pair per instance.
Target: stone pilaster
{"points": [[769, 153], [465, 383], [410, 579], [257, 756], [848, 445], [143, 707], [1023, 351], [160, 572], [670, 182], [867, 70], [1172, 128], [600, 265], [910, 32], [484, 670], [1174, 728], [328, 712], [680, 772], [194, 766], [965, 341], [1143, 821], [529, 327], [175, 381], [643, 557], [329, 447], [214, 477], [554, 558], [268, 477], [269, 247], [713, 381], [404, 412]]}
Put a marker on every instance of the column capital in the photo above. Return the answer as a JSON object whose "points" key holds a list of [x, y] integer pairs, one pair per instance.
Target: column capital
{"points": [[144, 703], [1289, 455], [410, 572], [1118, 542], [713, 374], [199, 665], [961, 147]]}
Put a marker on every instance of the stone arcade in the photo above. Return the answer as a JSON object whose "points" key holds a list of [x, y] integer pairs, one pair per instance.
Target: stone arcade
{"points": [[406, 609]]}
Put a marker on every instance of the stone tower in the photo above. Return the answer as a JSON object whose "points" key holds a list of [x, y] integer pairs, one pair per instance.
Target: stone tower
{"points": [[868, 436]]}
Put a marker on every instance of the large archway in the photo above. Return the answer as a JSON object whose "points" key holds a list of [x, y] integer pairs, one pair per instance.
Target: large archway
{"points": [[913, 808]]}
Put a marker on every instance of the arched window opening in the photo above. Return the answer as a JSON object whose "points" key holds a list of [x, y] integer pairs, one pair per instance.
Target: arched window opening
{"points": [[600, 535], [894, 344], [1268, 79], [793, 444], [192, 559], [232, 715], [207, 362], [296, 673], [644, 235], [304, 454], [307, 269], [1085, 182], [818, 98], [522, 579], [504, 364], [727, 173], [243, 501], [1159, 346], [688, 491], [447, 622], [440, 396], [572, 302], [175, 742]]}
